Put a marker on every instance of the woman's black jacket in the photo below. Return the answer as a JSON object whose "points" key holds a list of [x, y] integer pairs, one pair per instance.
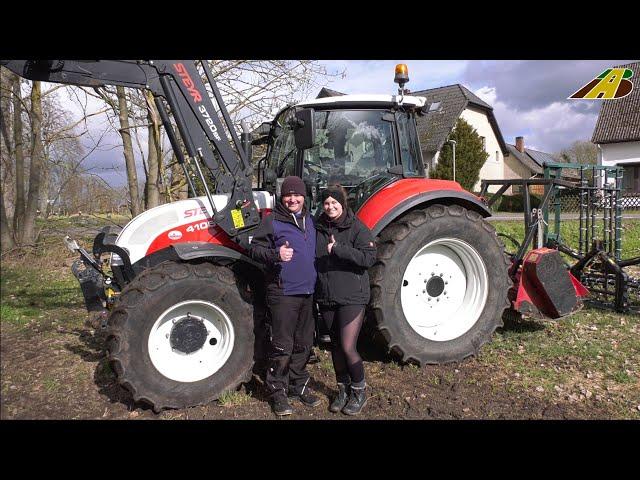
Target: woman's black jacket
{"points": [[342, 275]]}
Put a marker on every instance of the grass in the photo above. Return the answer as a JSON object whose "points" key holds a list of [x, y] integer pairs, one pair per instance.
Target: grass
{"points": [[234, 399], [603, 344], [87, 220], [570, 234], [45, 297]]}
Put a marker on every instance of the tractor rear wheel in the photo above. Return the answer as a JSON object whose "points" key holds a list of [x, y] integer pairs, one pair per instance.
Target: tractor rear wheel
{"points": [[181, 335], [439, 287]]}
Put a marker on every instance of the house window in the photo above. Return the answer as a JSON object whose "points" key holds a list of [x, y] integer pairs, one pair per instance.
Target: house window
{"points": [[484, 143], [497, 155], [631, 179]]}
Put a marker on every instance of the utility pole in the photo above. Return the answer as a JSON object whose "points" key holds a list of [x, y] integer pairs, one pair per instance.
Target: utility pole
{"points": [[453, 142]]}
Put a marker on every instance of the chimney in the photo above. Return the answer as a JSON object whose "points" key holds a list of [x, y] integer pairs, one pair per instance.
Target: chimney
{"points": [[520, 144]]}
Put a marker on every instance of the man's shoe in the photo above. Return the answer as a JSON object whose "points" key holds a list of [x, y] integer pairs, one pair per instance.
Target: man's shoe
{"points": [[280, 406], [341, 399], [357, 400], [308, 398]]}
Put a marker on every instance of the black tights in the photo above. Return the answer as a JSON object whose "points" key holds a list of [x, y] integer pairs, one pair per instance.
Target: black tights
{"points": [[344, 323]]}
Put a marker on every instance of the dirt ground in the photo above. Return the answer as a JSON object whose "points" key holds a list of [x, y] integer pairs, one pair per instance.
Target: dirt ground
{"points": [[62, 374]]}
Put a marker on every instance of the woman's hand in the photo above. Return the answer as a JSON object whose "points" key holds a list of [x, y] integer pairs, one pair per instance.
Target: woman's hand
{"points": [[286, 252], [331, 244]]}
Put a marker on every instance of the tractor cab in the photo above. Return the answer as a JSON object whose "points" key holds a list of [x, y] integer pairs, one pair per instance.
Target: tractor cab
{"points": [[362, 142]]}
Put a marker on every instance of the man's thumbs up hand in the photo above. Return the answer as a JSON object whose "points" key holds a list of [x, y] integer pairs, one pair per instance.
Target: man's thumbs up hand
{"points": [[286, 252]]}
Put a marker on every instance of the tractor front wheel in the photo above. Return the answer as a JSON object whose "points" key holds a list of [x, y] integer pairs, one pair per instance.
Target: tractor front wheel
{"points": [[181, 335], [440, 284]]}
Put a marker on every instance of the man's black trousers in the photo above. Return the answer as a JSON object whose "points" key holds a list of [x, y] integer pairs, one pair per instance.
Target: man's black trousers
{"points": [[292, 328]]}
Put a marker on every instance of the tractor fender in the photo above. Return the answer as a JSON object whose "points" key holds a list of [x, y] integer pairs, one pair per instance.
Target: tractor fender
{"points": [[189, 251], [378, 213]]}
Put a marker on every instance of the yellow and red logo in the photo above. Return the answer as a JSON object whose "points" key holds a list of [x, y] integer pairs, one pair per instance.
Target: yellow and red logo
{"points": [[613, 83]]}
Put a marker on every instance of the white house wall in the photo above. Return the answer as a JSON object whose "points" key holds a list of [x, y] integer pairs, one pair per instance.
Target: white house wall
{"points": [[493, 168], [513, 169], [619, 153]]}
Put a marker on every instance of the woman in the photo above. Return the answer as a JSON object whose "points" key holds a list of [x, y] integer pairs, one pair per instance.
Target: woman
{"points": [[345, 249]]}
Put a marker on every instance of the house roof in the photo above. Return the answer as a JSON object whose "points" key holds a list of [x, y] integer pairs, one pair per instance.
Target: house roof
{"points": [[534, 160], [435, 127], [541, 157], [619, 120], [525, 159]]}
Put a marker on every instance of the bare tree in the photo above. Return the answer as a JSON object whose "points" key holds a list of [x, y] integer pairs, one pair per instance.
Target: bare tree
{"points": [[18, 152], [27, 233], [580, 151], [129, 158], [252, 90]]}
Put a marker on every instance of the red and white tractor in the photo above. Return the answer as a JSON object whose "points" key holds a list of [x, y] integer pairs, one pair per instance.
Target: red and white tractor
{"points": [[183, 296]]}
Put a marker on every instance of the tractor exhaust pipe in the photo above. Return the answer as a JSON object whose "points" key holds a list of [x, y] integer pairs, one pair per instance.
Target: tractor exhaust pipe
{"points": [[245, 139]]}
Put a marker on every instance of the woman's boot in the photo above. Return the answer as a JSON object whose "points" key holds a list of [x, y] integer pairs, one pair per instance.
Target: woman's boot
{"points": [[357, 400], [341, 399]]}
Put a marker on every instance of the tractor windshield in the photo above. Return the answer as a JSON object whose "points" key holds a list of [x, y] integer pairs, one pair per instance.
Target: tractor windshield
{"points": [[350, 147]]}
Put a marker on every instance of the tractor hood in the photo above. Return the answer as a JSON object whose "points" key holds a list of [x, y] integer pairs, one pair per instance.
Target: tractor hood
{"points": [[178, 222]]}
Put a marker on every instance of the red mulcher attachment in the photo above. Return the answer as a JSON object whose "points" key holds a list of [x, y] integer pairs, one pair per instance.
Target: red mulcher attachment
{"points": [[545, 288]]}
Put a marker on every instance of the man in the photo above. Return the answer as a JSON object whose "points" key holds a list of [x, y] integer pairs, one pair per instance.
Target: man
{"points": [[286, 241]]}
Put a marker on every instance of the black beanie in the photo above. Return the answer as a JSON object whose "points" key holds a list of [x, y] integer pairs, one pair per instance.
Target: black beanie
{"points": [[292, 184], [337, 193]]}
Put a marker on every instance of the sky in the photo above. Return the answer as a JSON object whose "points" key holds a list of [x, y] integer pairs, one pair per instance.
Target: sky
{"points": [[529, 99]]}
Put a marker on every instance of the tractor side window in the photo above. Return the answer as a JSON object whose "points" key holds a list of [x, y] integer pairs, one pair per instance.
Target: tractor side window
{"points": [[284, 150], [410, 153]]}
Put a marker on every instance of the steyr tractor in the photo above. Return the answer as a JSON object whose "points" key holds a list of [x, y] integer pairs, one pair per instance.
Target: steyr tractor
{"points": [[183, 296]]}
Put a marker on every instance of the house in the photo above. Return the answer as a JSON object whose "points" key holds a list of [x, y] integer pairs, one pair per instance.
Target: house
{"points": [[449, 103], [617, 133], [522, 162]]}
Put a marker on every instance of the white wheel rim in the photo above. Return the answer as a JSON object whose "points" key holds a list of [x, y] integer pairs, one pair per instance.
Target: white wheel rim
{"points": [[205, 361], [464, 283]]}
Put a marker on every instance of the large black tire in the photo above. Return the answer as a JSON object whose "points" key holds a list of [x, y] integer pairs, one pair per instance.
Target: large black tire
{"points": [[142, 302], [398, 244]]}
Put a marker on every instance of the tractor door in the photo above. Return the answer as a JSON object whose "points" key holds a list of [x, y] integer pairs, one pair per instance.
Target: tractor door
{"points": [[355, 148]]}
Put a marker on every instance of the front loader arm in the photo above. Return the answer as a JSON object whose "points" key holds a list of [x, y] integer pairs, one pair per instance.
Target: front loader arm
{"points": [[86, 73], [180, 85]]}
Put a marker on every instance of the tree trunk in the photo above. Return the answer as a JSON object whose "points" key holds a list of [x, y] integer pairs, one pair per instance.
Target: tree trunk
{"points": [[6, 175], [18, 150], [43, 205], [154, 158], [37, 167], [179, 189], [125, 133], [5, 233]]}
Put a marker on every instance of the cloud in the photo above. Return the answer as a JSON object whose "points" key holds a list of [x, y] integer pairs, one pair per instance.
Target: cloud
{"points": [[549, 128], [525, 85]]}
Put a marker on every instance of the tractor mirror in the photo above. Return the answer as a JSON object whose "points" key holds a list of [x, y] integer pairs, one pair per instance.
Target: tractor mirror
{"points": [[263, 129], [304, 130]]}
